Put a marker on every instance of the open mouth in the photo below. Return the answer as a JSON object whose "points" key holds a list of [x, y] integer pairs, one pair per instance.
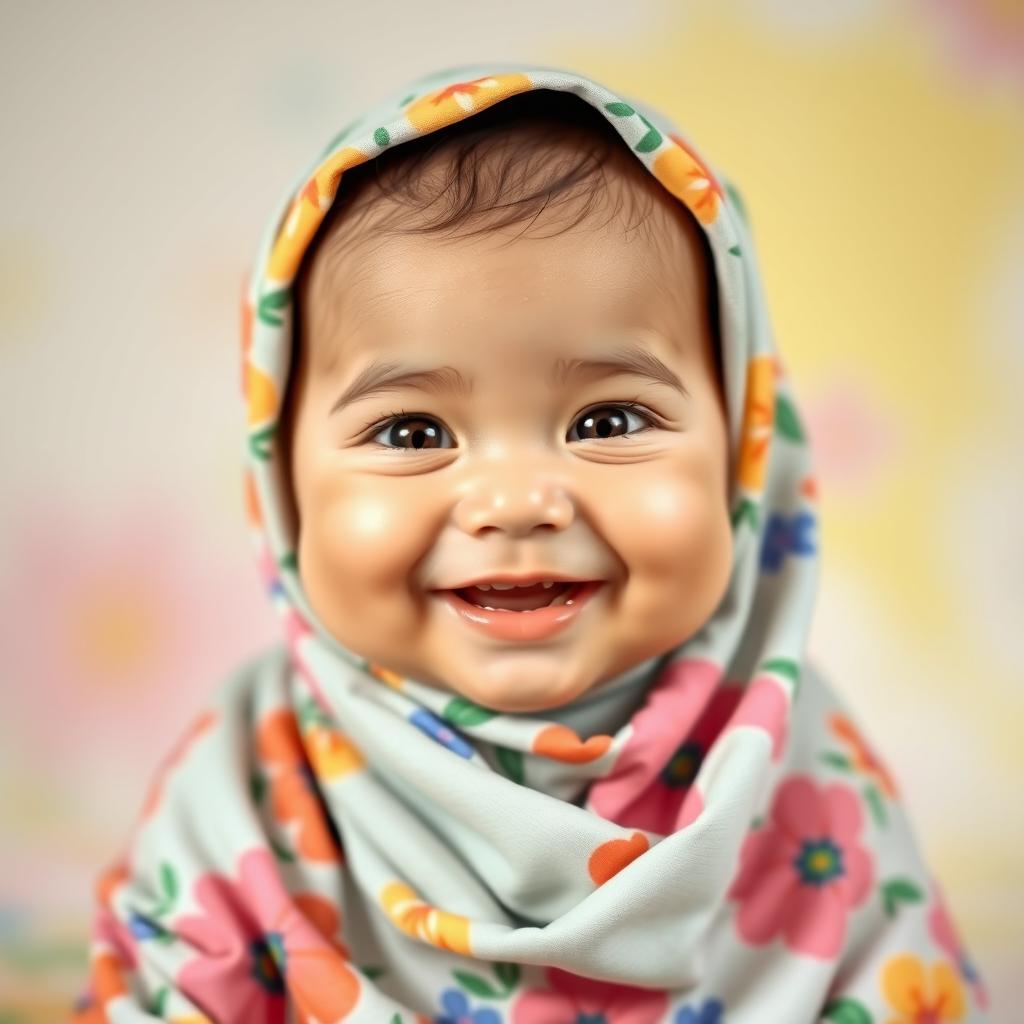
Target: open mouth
{"points": [[521, 599]]}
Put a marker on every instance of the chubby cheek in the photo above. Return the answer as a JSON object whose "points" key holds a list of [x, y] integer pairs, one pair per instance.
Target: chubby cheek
{"points": [[676, 541], [357, 549]]}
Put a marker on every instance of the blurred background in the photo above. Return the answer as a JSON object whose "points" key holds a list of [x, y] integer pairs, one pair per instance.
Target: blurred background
{"points": [[880, 148]]}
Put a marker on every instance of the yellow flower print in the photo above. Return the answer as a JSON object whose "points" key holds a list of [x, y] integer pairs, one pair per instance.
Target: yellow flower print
{"points": [[687, 178], [332, 753], [261, 395], [423, 921], [921, 996], [455, 101], [327, 176], [758, 420]]}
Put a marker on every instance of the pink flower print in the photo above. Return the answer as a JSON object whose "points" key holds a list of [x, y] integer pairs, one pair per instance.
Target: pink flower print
{"points": [[943, 931], [647, 785], [256, 942], [805, 870], [668, 801], [574, 998]]}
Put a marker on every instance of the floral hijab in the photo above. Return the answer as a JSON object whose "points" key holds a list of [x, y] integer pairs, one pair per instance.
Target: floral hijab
{"points": [[708, 837]]}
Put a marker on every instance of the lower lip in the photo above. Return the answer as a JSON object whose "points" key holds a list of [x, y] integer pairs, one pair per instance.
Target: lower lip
{"points": [[536, 625]]}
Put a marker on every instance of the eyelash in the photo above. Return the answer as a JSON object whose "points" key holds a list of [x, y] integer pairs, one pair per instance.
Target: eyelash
{"points": [[378, 426]]}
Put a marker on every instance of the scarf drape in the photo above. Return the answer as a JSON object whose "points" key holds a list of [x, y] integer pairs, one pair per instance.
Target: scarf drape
{"points": [[707, 837]]}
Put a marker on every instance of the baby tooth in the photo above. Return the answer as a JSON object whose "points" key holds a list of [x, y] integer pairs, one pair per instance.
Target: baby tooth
{"points": [[502, 586], [548, 584]]}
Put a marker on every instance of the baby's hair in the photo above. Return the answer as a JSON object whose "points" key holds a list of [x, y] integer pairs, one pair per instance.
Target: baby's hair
{"points": [[538, 152]]}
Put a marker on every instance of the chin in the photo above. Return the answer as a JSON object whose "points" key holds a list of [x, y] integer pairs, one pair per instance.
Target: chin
{"points": [[511, 699]]}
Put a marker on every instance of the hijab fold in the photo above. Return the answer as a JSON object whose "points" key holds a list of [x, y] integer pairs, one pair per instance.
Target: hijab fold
{"points": [[706, 837]]}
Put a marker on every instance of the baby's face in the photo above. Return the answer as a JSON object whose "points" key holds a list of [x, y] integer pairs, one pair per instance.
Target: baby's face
{"points": [[510, 458]]}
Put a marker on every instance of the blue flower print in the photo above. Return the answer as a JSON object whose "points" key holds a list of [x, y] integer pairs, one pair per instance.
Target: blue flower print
{"points": [[457, 1011], [786, 535], [709, 1013], [437, 730]]}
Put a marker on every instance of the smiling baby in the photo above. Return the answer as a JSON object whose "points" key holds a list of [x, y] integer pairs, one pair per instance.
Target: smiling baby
{"points": [[529, 489]]}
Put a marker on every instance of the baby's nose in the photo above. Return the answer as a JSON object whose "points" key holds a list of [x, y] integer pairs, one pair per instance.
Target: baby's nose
{"points": [[515, 503]]}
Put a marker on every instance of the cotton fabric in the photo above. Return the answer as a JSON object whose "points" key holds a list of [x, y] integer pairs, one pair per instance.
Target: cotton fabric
{"points": [[707, 837]]}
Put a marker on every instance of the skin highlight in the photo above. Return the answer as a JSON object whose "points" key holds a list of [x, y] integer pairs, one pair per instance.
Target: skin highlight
{"points": [[509, 480]]}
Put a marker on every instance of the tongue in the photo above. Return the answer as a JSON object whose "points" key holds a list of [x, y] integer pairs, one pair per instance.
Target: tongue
{"points": [[518, 599]]}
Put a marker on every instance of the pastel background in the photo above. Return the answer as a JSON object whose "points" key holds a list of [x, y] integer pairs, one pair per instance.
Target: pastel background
{"points": [[880, 149]]}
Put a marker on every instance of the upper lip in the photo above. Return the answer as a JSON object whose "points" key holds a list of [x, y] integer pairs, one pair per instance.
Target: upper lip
{"points": [[522, 579]]}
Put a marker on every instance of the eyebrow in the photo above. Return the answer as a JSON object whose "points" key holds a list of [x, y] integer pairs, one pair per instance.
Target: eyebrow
{"points": [[381, 377]]}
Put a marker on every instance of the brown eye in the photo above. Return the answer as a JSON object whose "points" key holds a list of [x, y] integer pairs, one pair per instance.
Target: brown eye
{"points": [[412, 433], [609, 421]]}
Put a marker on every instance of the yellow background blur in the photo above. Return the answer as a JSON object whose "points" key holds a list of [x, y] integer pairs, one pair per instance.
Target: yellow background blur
{"points": [[880, 149]]}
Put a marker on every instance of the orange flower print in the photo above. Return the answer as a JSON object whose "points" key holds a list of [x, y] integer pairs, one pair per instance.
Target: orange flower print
{"points": [[922, 995], [293, 792], [455, 101], [423, 921], [560, 743], [862, 758], [611, 857], [688, 178], [201, 725], [385, 675], [758, 420], [332, 753], [305, 214], [321, 189], [113, 959]]}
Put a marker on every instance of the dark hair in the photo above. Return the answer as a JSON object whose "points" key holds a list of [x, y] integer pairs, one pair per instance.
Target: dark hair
{"points": [[504, 166]]}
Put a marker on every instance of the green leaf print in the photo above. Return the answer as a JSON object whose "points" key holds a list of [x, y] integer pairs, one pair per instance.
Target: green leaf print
{"points": [[847, 1011], [511, 763], [897, 891], [874, 800], [257, 787], [787, 668], [474, 983], [745, 510], [733, 193], [619, 109], [397, 1019], [168, 889], [160, 1001], [508, 975], [787, 423], [462, 712], [280, 851], [735, 250], [837, 760], [271, 304], [373, 972], [289, 561], [259, 442], [651, 141], [381, 137]]}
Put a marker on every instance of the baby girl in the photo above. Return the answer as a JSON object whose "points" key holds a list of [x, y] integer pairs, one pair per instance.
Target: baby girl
{"points": [[529, 489]]}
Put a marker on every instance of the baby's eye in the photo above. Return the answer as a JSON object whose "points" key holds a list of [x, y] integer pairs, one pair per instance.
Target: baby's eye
{"points": [[603, 420], [413, 432], [420, 431]]}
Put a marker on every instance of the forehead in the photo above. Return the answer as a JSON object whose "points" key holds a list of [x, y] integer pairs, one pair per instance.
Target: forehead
{"points": [[554, 295]]}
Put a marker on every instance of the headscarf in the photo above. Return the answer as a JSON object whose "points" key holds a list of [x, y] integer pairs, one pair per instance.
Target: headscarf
{"points": [[706, 837]]}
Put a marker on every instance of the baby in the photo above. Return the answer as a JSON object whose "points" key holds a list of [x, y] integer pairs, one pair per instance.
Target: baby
{"points": [[529, 490], [567, 422]]}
